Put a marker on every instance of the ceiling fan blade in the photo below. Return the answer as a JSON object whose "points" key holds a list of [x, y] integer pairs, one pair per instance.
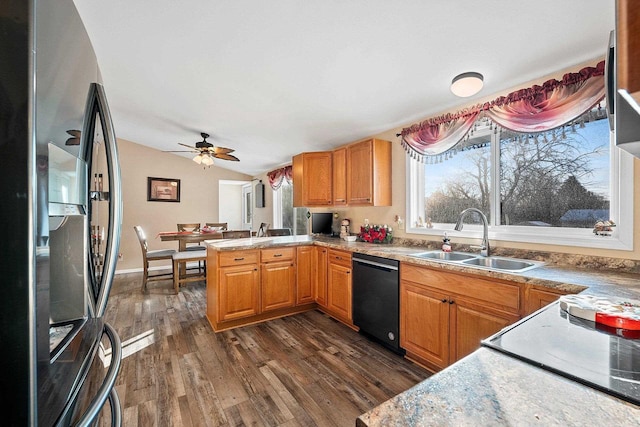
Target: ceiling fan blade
{"points": [[181, 151], [225, 156], [188, 146], [221, 150]]}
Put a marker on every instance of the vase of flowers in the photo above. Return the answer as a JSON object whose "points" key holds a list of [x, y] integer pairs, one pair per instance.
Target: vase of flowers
{"points": [[375, 234]]}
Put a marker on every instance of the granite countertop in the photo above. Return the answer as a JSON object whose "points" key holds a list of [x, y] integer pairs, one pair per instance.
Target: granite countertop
{"points": [[488, 387], [565, 278]]}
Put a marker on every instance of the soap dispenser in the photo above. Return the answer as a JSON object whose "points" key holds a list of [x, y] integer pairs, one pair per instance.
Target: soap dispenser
{"points": [[446, 243]]}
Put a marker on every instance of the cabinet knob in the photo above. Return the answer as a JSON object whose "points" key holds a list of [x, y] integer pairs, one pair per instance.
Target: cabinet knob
{"points": [[452, 302], [444, 300]]}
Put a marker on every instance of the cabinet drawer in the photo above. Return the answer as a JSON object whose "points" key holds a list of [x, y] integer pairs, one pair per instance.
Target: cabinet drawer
{"points": [[490, 292], [277, 254], [237, 258], [340, 258]]}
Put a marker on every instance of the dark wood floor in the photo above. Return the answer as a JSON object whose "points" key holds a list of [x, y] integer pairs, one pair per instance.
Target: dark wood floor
{"points": [[303, 370]]}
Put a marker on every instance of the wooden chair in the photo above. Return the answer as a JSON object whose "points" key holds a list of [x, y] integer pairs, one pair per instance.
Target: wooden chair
{"points": [[279, 232], [148, 256], [223, 225], [181, 273], [262, 231], [236, 234], [191, 227]]}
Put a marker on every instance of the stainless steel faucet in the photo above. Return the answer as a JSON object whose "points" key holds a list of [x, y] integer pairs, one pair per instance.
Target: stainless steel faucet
{"points": [[484, 249]]}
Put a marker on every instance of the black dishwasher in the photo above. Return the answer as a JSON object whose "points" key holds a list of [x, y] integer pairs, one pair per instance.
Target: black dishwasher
{"points": [[376, 299]]}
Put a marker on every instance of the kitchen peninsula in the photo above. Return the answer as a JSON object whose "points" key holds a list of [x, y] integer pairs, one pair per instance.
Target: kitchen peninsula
{"points": [[486, 387]]}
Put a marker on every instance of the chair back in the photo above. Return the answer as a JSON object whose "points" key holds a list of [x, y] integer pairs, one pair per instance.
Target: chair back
{"points": [[189, 227], [279, 232], [142, 239], [222, 225], [262, 231], [236, 234]]}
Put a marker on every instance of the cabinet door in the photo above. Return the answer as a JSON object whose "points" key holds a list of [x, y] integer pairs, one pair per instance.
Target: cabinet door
{"points": [[340, 177], [360, 173], [536, 299], [424, 323], [470, 324], [304, 271], [312, 175], [238, 292], [339, 291], [319, 275], [278, 285]]}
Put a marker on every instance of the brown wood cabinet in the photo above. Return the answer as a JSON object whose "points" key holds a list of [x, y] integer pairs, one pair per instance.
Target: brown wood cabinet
{"points": [[535, 299], [444, 316], [278, 278], [319, 274], [304, 275], [238, 285], [339, 285], [312, 179], [340, 177], [628, 46], [369, 173]]}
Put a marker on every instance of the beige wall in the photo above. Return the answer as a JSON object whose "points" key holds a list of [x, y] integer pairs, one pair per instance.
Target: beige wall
{"points": [[198, 199]]}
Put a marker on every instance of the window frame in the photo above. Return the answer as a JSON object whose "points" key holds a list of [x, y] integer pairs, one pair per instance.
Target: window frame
{"points": [[621, 209]]}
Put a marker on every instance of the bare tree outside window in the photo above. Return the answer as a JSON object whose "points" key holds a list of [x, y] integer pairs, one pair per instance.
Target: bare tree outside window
{"points": [[552, 179]]}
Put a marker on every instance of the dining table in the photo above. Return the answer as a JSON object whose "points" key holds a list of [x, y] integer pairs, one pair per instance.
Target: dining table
{"points": [[185, 237]]}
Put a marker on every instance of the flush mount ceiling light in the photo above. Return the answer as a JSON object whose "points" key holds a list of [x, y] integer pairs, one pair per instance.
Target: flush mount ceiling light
{"points": [[467, 84]]}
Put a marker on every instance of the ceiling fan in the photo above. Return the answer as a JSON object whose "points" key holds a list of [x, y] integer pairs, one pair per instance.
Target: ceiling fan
{"points": [[206, 151]]}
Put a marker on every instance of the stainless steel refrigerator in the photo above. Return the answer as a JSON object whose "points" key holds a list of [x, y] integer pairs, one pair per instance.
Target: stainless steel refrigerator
{"points": [[60, 218]]}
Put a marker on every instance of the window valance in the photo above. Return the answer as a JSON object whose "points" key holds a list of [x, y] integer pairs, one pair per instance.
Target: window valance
{"points": [[277, 176], [538, 108]]}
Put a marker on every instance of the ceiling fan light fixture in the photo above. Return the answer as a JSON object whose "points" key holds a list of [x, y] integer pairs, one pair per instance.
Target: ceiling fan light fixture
{"points": [[207, 160], [198, 159], [467, 84]]}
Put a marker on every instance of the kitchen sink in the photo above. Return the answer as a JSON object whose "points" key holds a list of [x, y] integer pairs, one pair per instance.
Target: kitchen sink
{"points": [[502, 264], [445, 256], [510, 265]]}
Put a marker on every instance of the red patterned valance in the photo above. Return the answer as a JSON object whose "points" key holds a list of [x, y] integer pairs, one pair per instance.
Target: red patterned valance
{"points": [[538, 108], [276, 177]]}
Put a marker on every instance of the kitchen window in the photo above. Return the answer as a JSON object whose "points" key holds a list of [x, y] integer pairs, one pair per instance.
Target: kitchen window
{"points": [[547, 188], [284, 214]]}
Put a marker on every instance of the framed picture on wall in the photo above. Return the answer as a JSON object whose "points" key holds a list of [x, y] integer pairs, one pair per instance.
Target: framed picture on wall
{"points": [[163, 189]]}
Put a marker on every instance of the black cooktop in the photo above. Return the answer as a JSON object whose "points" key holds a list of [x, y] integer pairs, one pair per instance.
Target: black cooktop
{"points": [[605, 358]]}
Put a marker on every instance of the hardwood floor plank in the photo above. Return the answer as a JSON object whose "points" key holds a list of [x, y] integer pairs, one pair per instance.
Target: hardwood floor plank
{"points": [[302, 370]]}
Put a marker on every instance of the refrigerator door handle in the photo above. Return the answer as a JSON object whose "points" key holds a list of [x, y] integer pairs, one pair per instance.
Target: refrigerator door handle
{"points": [[106, 390], [97, 102]]}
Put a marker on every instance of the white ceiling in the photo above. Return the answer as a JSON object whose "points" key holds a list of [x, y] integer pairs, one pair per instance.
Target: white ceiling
{"points": [[275, 78]]}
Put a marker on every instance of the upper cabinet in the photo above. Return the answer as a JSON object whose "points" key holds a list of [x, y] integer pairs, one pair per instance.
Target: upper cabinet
{"points": [[356, 175], [627, 76], [369, 173], [340, 177], [312, 179]]}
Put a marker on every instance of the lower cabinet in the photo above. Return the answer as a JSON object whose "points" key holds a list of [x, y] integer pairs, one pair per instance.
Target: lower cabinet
{"points": [[277, 278], [538, 298], [339, 285], [238, 284], [444, 316], [319, 274], [304, 275]]}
